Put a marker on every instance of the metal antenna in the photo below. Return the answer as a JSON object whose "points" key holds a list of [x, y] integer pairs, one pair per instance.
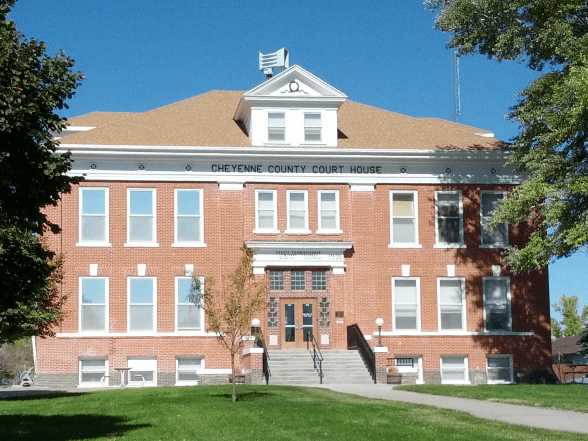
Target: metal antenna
{"points": [[457, 110]]}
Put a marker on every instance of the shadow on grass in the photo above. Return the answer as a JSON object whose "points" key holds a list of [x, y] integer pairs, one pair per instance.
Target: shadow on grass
{"points": [[23, 395], [245, 396], [63, 427]]}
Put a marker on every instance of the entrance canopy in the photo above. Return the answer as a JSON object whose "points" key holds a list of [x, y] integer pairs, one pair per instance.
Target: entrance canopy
{"points": [[298, 253]]}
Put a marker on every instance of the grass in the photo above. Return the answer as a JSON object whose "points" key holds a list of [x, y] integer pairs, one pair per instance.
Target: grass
{"points": [[559, 396], [263, 413]]}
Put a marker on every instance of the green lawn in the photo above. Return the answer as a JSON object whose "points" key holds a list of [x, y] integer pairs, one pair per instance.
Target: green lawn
{"points": [[561, 396], [264, 413]]}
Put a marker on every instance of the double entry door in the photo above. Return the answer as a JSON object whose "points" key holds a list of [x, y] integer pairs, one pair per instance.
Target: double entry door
{"points": [[298, 321]]}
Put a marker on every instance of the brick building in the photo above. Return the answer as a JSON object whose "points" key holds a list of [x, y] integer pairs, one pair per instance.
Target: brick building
{"points": [[353, 214]]}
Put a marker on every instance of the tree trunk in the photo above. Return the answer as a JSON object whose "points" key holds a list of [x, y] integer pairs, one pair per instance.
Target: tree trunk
{"points": [[234, 393]]}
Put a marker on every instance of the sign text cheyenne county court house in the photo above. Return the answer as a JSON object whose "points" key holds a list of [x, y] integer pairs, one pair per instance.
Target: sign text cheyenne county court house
{"points": [[295, 168]]}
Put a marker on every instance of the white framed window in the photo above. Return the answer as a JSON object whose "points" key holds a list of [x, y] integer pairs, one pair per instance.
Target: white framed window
{"points": [[141, 217], [188, 217], [142, 304], [266, 211], [497, 308], [297, 280], [276, 127], [187, 370], [143, 371], [276, 280], [404, 219], [297, 208], [496, 237], [328, 209], [406, 314], [499, 369], [93, 216], [312, 127], [189, 316], [93, 299], [454, 370], [93, 372], [449, 219], [451, 304]]}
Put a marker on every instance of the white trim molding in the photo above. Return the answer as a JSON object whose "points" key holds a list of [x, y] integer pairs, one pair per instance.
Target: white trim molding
{"points": [[298, 253]]}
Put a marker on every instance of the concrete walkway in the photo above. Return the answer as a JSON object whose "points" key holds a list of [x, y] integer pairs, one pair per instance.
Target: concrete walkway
{"points": [[538, 417]]}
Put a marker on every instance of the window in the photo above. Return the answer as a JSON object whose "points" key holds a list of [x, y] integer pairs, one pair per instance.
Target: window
{"points": [[405, 296], [454, 370], [141, 315], [141, 222], [319, 280], [93, 304], [189, 315], [187, 370], [276, 127], [188, 223], [276, 280], [266, 208], [328, 207], [499, 369], [404, 218], [93, 372], [312, 127], [93, 216], [449, 218], [497, 236], [497, 314], [297, 211], [451, 300], [143, 371], [297, 282]]}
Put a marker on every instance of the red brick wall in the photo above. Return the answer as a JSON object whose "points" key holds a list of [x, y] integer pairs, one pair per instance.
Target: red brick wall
{"points": [[363, 292]]}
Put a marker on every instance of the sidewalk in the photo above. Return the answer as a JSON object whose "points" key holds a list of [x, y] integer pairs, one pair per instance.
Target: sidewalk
{"points": [[538, 417]]}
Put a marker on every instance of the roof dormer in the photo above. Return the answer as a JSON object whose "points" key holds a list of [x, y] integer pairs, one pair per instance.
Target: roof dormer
{"points": [[293, 108]]}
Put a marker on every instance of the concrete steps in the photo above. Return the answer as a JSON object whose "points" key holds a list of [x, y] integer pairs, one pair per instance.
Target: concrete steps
{"points": [[296, 367]]}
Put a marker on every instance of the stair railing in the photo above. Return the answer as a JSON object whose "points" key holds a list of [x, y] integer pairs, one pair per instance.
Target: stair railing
{"points": [[356, 340], [316, 354], [260, 343]]}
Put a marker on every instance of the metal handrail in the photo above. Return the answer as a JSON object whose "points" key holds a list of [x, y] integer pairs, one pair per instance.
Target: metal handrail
{"points": [[317, 356], [260, 343], [356, 340]]}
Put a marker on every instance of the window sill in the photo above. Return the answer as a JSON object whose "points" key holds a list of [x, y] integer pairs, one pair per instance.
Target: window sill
{"points": [[141, 245], [266, 231], [188, 245], [329, 232], [449, 245], [300, 232], [314, 144], [494, 247], [408, 245], [500, 382], [94, 244], [278, 143], [186, 383]]}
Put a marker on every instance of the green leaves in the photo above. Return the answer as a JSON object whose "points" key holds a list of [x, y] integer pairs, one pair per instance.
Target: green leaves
{"points": [[33, 86], [552, 113]]}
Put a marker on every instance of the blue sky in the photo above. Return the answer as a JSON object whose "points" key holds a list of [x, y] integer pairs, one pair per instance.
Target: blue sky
{"points": [[137, 55]]}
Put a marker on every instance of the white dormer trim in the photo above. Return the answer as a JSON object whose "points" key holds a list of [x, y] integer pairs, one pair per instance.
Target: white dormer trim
{"points": [[322, 88], [320, 93]]}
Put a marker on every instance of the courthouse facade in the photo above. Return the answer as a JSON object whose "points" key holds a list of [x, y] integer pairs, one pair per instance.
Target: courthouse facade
{"points": [[353, 214]]}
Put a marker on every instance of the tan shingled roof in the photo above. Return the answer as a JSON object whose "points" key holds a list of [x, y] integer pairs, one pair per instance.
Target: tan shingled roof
{"points": [[207, 120]]}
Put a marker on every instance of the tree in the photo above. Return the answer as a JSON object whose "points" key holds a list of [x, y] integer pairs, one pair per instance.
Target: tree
{"points": [[556, 331], [229, 313], [552, 113], [571, 323], [33, 87]]}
